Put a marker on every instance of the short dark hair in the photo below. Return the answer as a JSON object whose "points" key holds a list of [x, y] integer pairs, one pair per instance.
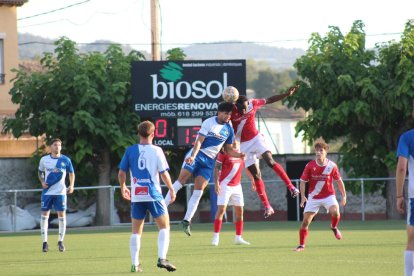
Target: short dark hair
{"points": [[225, 107], [241, 99], [145, 129], [55, 140]]}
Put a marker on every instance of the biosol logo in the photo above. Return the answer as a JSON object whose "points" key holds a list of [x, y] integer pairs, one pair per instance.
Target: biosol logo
{"points": [[184, 89]]}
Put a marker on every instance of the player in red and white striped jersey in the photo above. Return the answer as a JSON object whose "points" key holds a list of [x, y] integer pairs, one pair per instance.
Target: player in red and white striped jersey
{"points": [[252, 143], [227, 185], [320, 174]]}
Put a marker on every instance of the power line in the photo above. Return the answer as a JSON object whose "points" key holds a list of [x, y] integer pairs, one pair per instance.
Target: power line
{"points": [[52, 11]]}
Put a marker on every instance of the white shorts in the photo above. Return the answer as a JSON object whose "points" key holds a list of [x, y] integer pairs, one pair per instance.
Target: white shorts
{"points": [[313, 205], [230, 195], [254, 149]]}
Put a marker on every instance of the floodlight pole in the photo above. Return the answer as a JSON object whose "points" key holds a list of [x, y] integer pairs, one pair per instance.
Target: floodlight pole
{"points": [[155, 31]]}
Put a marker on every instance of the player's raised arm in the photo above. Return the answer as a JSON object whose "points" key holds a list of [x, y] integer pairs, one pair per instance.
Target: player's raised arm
{"points": [[279, 97]]}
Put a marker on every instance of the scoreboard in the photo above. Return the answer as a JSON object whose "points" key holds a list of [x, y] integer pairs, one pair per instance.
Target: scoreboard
{"points": [[180, 132], [178, 95]]}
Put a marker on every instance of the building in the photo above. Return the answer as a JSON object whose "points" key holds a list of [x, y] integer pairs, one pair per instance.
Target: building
{"points": [[9, 59]]}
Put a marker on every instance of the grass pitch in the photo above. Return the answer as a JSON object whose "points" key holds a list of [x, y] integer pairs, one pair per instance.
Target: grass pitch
{"points": [[367, 248]]}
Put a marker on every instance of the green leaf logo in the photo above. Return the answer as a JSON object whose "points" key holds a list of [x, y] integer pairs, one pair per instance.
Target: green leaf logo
{"points": [[172, 72]]}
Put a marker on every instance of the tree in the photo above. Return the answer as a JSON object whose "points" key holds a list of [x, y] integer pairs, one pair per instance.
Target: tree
{"points": [[85, 100], [269, 82], [364, 97], [176, 54]]}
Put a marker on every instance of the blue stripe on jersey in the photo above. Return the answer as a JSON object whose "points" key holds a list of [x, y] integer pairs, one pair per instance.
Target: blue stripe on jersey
{"points": [[406, 144], [140, 174], [62, 164], [216, 135]]}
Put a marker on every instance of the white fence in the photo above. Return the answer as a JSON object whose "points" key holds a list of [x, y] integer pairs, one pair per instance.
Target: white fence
{"points": [[362, 182]]}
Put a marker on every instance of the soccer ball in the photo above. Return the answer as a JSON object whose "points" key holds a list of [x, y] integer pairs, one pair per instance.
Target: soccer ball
{"points": [[230, 94]]}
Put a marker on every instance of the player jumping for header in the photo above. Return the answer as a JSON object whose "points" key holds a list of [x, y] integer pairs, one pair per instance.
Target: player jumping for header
{"points": [[253, 144]]}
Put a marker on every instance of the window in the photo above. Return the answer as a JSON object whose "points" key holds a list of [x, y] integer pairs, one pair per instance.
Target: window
{"points": [[2, 74]]}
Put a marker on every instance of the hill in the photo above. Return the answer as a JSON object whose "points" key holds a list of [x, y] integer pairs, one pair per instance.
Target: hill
{"points": [[31, 46], [278, 58]]}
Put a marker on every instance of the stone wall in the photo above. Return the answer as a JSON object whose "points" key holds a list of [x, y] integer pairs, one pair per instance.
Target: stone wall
{"points": [[16, 174]]}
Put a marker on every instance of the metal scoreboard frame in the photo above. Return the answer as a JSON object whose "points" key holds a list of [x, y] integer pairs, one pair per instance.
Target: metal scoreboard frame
{"points": [[178, 95]]}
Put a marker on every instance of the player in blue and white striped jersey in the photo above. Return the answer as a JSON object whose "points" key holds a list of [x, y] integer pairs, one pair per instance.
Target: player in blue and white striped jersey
{"points": [[199, 162], [146, 163], [52, 174], [405, 155]]}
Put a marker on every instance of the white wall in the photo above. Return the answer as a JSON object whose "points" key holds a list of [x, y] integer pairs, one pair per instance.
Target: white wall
{"points": [[280, 134]]}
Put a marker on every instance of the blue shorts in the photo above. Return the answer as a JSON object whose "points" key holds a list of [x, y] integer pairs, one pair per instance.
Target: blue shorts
{"points": [[410, 212], [202, 166], [156, 208], [58, 202]]}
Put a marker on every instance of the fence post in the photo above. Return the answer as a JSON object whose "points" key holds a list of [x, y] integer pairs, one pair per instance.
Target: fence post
{"points": [[362, 200], [112, 203], [298, 201], [14, 211]]}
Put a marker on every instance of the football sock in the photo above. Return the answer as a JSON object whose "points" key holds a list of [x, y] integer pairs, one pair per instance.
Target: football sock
{"points": [[239, 227], [177, 186], [408, 262], [44, 225], [217, 225], [193, 204], [163, 243], [134, 246], [282, 174], [335, 221], [261, 191], [303, 233], [62, 228]]}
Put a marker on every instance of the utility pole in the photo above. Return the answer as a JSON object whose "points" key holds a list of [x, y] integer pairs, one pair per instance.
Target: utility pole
{"points": [[155, 31]]}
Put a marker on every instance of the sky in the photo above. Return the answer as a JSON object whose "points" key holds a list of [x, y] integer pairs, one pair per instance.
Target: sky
{"points": [[282, 23]]}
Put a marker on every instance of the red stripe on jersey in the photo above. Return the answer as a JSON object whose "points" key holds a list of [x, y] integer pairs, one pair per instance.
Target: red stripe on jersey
{"points": [[231, 169], [244, 124], [320, 179]]}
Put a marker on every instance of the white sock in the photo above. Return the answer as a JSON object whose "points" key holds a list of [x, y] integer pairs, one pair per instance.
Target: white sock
{"points": [[134, 246], [62, 228], [163, 243], [238, 237], [216, 235], [177, 186], [408, 262], [193, 204], [44, 225]]}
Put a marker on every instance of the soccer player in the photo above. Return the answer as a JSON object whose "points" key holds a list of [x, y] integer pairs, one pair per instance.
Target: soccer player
{"points": [[320, 174], [52, 175], [199, 161], [146, 163], [227, 185], [253, 144], [405, 154]]}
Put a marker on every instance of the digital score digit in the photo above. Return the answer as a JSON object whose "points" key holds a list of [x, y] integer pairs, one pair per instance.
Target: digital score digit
{"points": [[186, 135], [176, 132]]}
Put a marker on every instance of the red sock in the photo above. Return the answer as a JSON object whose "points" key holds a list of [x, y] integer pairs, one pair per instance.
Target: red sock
{"points": [[261, 191], [282, 174], [303, 233], [335, 221], [239, 227], [217, 225]]}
